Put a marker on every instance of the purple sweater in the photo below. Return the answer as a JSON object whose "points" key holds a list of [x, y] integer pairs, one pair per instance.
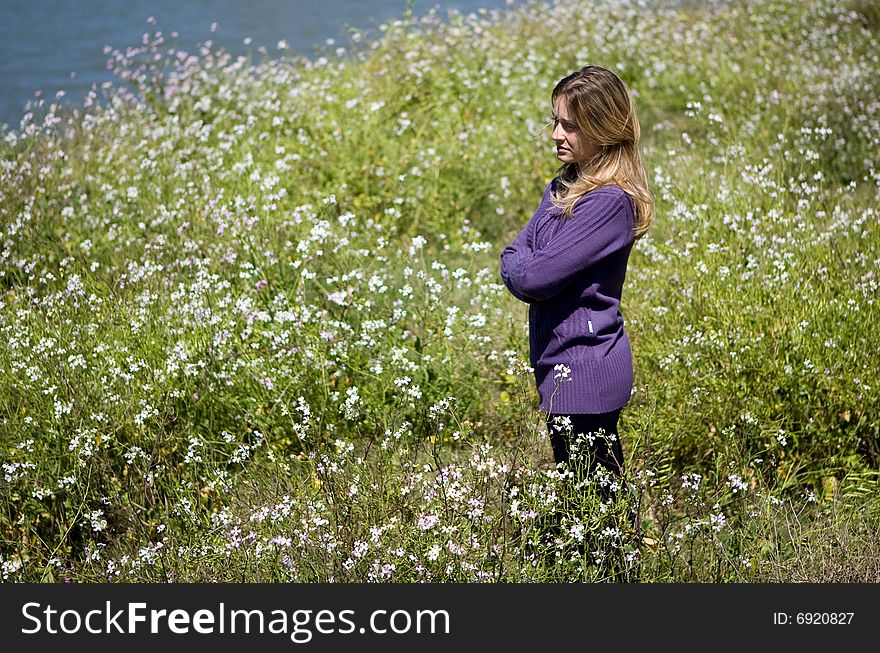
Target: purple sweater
{"points": [[571, 272]]}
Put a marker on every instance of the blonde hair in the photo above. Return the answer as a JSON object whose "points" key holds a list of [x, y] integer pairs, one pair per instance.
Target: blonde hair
{"points": [[603, 111]]}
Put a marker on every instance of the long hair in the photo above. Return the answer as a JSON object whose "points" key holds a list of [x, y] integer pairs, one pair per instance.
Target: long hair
{"points": [[604, 113]]}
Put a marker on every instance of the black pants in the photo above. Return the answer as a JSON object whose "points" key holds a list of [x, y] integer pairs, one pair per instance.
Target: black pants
{"points": [[591, 449], [584, 449]]}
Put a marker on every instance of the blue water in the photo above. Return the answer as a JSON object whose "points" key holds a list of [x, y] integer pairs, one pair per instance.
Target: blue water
{"points": [[52, 45]]}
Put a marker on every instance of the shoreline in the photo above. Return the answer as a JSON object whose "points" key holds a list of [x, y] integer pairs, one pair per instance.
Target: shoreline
{"points": [[75, 89]]}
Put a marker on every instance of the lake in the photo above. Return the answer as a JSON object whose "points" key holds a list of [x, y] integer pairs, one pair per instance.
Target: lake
{"points": [[52, 45]]}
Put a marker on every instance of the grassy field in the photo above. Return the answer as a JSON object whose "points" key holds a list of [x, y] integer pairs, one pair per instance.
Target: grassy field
{"points": [[255, 330]]}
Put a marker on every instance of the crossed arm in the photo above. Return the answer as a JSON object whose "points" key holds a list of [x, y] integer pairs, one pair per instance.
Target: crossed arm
{"points": [[600, 225]]}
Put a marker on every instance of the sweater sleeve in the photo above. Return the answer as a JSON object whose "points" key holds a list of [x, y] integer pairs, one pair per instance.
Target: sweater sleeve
{"points": [[518, 246], [599, 226]]}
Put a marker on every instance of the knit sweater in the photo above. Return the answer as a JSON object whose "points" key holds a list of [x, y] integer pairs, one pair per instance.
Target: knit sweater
{"points": [[571, 272]]}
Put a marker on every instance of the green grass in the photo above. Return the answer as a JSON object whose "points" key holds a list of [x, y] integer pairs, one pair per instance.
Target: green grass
{"points": [[255, 328]]}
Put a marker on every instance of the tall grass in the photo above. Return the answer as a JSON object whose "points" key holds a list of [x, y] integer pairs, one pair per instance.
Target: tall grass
{"points": [[255, 329]]}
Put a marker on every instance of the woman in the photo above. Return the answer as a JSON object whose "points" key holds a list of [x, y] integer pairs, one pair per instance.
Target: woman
{"points": [[569, 265]]}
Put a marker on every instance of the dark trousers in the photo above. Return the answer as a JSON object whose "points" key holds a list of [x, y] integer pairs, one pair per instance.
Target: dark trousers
{"points": [[584, 449], [585, 442]]}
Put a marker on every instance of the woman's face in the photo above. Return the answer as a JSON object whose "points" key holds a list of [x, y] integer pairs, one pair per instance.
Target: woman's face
{"points": [[571, 145]]}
